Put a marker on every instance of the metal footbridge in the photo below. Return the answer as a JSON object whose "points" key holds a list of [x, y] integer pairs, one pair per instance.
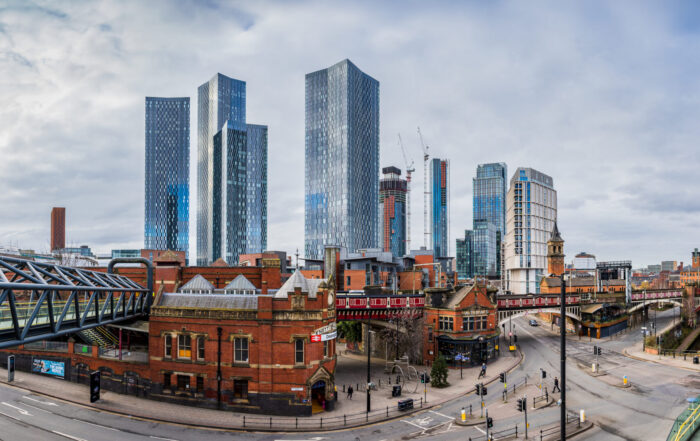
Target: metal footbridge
{"points": [[40, 301]]}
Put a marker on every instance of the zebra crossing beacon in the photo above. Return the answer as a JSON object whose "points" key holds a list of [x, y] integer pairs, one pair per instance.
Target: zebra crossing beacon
{"points": [[39, 301]]}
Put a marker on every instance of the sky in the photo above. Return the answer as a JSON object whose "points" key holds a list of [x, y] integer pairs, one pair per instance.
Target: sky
{"points": [[602, 96]]}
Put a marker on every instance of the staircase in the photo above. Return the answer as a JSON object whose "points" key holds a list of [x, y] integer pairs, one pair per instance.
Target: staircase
{"points": [[689, 340], [98, 336]]}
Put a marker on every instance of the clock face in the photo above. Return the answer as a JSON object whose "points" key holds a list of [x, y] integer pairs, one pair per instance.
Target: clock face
{"points": [[330, 299]]}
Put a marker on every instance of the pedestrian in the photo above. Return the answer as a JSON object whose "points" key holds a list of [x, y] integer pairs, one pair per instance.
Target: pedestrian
{"points": [[556, 385], [350, 393]]}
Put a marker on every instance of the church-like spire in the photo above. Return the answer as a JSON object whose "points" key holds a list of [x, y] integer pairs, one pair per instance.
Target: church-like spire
{"points": [[556, 237]]}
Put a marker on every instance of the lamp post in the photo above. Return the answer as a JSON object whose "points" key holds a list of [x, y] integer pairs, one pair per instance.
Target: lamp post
{"points": [[562, 332], [369, 352]]}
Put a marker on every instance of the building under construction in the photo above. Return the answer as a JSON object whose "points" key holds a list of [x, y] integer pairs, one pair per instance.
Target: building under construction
{"points": [[392, 204]]}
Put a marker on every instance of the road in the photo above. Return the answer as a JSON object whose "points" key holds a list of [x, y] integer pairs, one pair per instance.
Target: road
{"points": [[644, 412]]}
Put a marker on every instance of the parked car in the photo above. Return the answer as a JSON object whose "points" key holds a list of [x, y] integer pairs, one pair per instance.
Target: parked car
{"points": [[534, 323]]}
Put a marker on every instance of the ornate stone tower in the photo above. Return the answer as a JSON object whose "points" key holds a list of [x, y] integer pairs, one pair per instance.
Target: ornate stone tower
{"points": [[555, 253]]}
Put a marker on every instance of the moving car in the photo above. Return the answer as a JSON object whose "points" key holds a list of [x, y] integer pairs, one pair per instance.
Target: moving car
{"points": [[534, 323]]}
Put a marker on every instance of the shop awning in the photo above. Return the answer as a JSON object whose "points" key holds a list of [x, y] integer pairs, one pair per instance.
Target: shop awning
{"points": [[590, 309]]}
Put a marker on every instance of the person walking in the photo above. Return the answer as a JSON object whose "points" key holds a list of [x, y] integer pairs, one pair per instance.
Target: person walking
{"points": [[556, 385], [350, 393]]}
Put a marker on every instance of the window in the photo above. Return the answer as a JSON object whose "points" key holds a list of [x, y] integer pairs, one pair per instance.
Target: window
{"points": [[240, 350], [475, 323], [168, 346], [325, 348], [183, 382], [200, 348], [347, 284], [299, 351], [184, 346], [200, 385], [446, 323], [240, 389], [430, 333], [166, 381]]}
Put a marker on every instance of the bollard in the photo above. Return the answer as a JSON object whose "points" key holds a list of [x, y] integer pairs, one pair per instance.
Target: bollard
{"points": [[270, 422], [464, 415], [421, 402], [321, 422], [243, 420], [624, 380], [345, 421], [582, 416], [470, 410], [296, 422], [387, 411]]}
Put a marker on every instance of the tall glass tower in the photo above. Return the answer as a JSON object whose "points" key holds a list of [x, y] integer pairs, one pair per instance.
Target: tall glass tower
{"points": [[392, 206], [256, 196], [342, 159], [167, 199], [490, 186], [439, 206], [232, 181], [485, 246], [465, 255]]}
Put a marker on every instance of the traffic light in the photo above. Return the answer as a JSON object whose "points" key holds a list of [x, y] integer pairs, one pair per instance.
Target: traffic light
{"points": [[544, 374], [515, 338], [600, 350], [94, 386], [478, 389], [521, 404], [422, 378], [489, 422], [595, 350], [483, 390]]}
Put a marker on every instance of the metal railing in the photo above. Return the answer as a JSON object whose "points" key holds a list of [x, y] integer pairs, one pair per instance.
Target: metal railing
{"points": [[497, 435], [340, 421], [541, 398], [43, 345], [570, 418], [79, 348], [687, 422]]}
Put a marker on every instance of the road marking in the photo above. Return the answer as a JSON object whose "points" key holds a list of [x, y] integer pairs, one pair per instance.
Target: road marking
{"points": [[409, 422], [316, 438], [39, 401], [19, 409], [441, 414], [10, 416], [480, 430], [166, 439], [68, 436], [37, 408], [97, 425]]}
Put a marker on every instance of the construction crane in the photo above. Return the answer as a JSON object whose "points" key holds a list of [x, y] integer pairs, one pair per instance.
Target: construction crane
{"points": [[426, 194], [409, 170]]}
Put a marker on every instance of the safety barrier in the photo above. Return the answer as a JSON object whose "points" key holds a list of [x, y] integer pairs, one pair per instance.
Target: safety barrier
{"points": [[497, 435], [687, 422]]}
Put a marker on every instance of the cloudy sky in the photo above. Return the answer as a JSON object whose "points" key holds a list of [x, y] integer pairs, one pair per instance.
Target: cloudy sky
{"points": [[602, 96]]}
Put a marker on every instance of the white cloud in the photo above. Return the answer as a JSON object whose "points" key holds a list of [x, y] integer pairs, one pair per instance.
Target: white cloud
{"points": [[603, 97]]}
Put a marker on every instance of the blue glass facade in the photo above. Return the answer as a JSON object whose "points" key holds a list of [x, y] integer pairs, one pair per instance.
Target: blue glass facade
{"points": [[439, 204], [256, 200], [342, 159], [485, 248], [392, 206], [232, 174], [490, 188], [465, 256], [167, 183]]}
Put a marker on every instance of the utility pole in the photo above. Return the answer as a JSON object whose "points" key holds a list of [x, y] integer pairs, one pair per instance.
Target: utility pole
{"points": [[562, 333], [369, 351]]}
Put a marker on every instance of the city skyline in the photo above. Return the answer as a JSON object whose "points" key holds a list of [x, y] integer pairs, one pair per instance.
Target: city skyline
{"points": [[624, 144]]}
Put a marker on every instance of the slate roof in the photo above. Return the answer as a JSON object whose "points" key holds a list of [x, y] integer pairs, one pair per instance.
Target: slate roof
{"points": [[208, 301], [240, 283], [298, 280], [556, 237], [198, 283]]}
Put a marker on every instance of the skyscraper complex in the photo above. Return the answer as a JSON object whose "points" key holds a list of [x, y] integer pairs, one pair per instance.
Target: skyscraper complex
{"points": [[342, 159], [167, 184], [392, 206], [531, 211], [232, 174], [439, 206]]}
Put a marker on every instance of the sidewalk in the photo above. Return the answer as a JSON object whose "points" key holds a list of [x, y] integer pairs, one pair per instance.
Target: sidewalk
{"points": [[348, 413], [678, 362]]}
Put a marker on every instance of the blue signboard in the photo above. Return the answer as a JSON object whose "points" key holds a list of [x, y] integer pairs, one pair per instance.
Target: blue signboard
{"points": [[49, 367]]}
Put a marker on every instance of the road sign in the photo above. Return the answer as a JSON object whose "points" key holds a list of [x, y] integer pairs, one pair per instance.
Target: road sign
{"points": [[324, 337]]}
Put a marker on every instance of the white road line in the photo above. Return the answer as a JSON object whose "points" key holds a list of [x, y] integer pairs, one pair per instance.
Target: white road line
{"points": [[37, 408], [413, 424], [10, 416], [19, 409], [39, 401], [96, 425], [441, 414], [68, 436], [480, 430], [165, 439]]}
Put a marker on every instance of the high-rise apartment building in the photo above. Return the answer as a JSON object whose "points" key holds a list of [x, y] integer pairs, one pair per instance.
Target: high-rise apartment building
{"points": [[439, 206], [232, 174], [465, 256], [531, 211], [167, 183], [485, 247], [58, 228], [342, 159], [392, 206], [490, 187], [256, 201]]}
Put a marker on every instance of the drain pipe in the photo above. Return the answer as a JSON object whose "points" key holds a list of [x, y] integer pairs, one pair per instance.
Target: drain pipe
{"points": [[149, 272], [218, 369]]}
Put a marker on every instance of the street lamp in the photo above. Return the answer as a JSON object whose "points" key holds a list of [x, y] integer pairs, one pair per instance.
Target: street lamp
{"points": [[562, 333]]}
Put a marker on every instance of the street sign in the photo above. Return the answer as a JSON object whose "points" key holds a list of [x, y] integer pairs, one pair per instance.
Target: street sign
{"points": [[10, 368], [331, 327], [324, 337]]}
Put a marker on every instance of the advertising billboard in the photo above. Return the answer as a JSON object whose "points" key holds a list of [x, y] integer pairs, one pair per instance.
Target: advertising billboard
{"points": [[49, 367]]}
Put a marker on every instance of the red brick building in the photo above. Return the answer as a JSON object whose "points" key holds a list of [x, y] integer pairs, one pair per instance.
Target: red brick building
{"points": [[460, 322], [58, 228]]}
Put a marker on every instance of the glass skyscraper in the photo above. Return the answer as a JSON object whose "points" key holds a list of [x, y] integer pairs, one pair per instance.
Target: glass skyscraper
{"points": [[167, 183], [439, 206], [392, 206], [490, 186], [485, 248], [342, 160], [232, 174], [256, 200], [465, 256]]}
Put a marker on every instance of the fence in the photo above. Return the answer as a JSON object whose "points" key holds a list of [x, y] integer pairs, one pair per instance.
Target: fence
{"points": [[541, 398], [340, 421], [570, 418], [673, 353], [684, 426], [79, 348], [497, 435], [44, 345]]}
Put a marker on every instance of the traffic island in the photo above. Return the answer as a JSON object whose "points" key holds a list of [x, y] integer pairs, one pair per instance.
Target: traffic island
{"points": [[470, 421]]}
